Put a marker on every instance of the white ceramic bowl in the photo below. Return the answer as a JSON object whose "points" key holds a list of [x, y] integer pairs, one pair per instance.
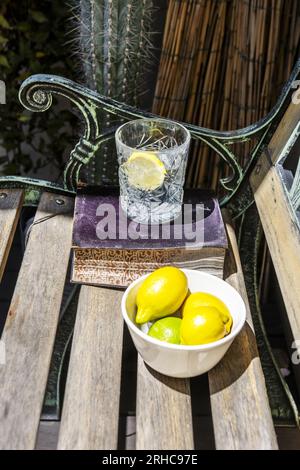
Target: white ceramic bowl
{"points": [[178, 360]]}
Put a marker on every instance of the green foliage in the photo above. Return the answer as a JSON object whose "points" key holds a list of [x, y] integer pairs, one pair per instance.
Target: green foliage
{"points": [[33, 39]]}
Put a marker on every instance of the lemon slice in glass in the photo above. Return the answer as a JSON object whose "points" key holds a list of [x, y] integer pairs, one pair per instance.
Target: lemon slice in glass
{"points": [[145, 171]]}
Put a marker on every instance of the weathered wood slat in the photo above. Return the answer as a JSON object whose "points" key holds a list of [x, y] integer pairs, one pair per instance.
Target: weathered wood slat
{"points": [[286, 134], [31, 323], [163, 411], [282, 235], [240, 408], [91, 406], [10, 206]]}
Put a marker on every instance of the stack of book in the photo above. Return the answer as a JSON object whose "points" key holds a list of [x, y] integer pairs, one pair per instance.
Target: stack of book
{"points": [[111, 250]]}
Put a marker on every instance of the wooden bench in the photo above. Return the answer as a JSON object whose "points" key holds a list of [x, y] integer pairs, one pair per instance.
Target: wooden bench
{"points": [[164, 420]]}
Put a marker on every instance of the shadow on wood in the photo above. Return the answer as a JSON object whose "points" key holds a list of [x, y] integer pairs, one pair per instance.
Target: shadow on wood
{"points": [[179, 385], [236, 361]]}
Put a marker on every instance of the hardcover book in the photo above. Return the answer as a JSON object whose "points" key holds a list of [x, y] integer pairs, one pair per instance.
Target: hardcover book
{"points": [[111, 250]]}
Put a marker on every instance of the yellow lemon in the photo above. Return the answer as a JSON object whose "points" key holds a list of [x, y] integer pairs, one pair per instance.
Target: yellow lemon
{"points": [[161, 294], [144, 170], [202, 327], [166, 329], [202, 299]]}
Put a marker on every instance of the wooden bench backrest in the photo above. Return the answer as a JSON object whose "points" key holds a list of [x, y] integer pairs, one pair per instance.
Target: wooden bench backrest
{"points": [[277, 205]]}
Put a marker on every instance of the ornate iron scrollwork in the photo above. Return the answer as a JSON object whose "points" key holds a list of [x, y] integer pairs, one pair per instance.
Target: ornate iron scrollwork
{"points": [[36, 95]]}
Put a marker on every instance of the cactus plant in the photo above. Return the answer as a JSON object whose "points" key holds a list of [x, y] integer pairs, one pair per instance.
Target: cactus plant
{"points": [[115, 50]]}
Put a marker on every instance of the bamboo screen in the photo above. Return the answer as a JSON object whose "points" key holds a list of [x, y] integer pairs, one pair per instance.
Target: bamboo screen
{"points": [[223, 63]]}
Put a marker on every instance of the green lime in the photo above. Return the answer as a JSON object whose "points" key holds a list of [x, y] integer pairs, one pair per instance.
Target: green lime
{"points": [[166, 329]]}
